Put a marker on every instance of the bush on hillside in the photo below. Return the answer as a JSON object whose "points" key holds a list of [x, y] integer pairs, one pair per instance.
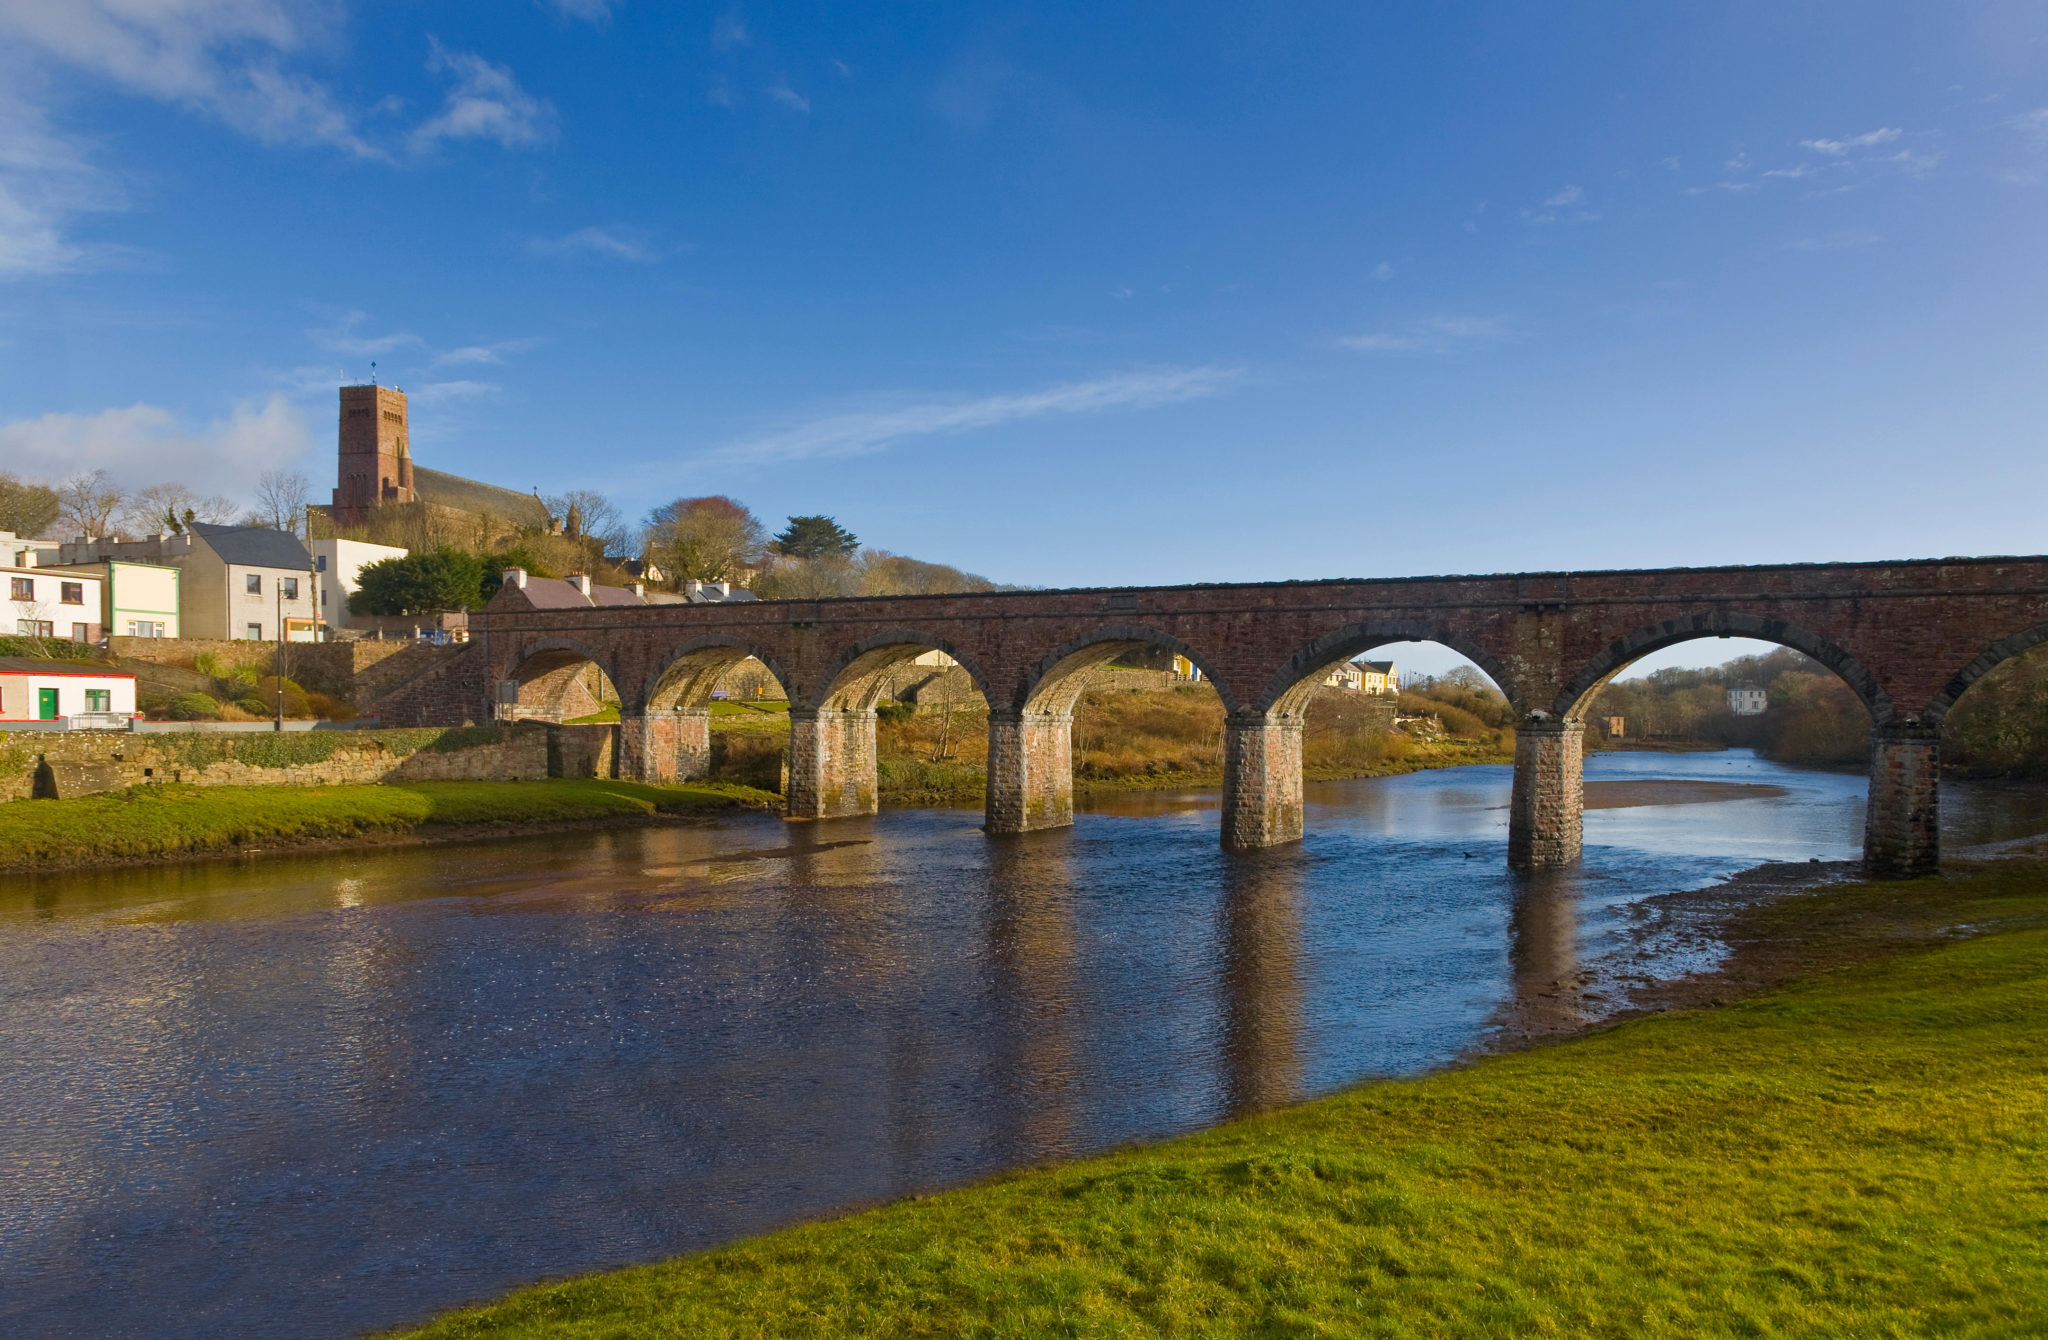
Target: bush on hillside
{"points": [[193, 707]]}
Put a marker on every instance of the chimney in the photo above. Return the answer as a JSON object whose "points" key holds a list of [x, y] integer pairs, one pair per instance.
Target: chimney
{"points": [[693, 587], [25, 559], [516, 577], [639, 590], [719, 589], [581, 582]]}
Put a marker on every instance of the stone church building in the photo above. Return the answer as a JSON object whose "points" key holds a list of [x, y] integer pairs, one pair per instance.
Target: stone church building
{"points": [[377, 486]]}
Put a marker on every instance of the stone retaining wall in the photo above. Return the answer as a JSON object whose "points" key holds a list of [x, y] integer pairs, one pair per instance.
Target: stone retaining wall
{"points": [[319, 667], [74, 764]]}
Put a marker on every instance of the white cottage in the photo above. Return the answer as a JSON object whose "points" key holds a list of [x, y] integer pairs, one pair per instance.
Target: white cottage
{"points": [[32, 689]]}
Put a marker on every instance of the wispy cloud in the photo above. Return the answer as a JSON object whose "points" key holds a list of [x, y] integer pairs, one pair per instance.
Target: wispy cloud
{"points": [[441, 392], [866, 431], [2033, 125], [729, 30], [620, 244], [1848, 239], [141, 444], [1437, 335], [482, 353], [344, 337], [1383, 271], [1565, 205], [787, 96], [46, 180], [485, 104], [590, 11], [1868, 140]]}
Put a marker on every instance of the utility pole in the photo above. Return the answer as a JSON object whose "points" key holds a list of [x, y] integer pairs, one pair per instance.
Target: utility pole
{"points": [[277, 583]]}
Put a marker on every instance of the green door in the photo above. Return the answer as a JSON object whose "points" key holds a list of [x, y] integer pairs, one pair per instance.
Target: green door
{"points": [[46, 704]]}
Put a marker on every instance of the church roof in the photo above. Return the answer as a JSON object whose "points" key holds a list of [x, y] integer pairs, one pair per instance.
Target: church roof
{"points": [[468, 495]]}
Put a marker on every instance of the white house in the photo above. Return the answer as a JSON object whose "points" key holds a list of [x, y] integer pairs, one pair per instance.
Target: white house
{"points": [[32, 689], [1747, 700], [337, 564], [52, 602], [235, 582]]}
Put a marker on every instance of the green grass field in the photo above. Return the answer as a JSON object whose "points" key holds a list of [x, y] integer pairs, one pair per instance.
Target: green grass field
{"points": [[180, 820], [1862, 1153]]}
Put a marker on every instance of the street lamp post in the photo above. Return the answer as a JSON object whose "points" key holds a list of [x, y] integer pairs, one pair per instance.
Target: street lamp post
{"points": [[277, 583]]}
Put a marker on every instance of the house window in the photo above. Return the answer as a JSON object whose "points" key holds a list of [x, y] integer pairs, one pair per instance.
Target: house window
{"points": [[24, 588], [320, 562], [71, 593], [290, 587], [99, 700], [323, 597], [81, 632], [255, 632], [254, 584], [145, 628], [34, 628]]}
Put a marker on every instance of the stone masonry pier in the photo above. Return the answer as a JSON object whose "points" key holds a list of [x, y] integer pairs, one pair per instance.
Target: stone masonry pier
{"points": [[1907, 637]]}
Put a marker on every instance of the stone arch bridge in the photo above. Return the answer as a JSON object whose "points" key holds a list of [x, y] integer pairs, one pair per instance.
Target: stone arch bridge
{"points": [[1907, 637]]}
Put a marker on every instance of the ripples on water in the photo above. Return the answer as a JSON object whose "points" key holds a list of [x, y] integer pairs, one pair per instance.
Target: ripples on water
{"points": [[314, 1096]]}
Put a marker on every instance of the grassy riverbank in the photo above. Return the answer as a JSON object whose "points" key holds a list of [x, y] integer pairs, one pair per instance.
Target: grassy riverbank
{"points": [[1859, 1153], [154, 822]]}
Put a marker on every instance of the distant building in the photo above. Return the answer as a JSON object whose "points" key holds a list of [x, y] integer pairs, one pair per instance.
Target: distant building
{"points": [[1615, 728], [1374, 677], [374, 468], [235, 582], [716, 593], [336, 566], [1748, 700], [52, 602]]}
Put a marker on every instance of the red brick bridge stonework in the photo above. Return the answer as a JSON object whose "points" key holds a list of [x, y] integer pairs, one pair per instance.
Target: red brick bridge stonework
{"points": [[1907, 637]]}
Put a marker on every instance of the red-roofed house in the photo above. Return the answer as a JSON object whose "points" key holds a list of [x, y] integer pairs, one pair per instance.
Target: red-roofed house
{"points": [[37, 690]]}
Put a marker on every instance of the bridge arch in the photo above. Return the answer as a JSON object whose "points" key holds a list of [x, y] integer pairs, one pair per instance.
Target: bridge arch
{"points": [[1056, 682], [859, 674], [1580, 690], [684, 678], [554, 682], [1288, 691], [1993, 656]]}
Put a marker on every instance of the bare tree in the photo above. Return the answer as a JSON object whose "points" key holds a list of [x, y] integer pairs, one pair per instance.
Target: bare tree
{"points": [[173, 507], [589, 516], [31, 621], [87, 501], [281, 499]]}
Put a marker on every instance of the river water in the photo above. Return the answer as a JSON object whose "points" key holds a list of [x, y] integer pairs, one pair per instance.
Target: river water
{"points": [[314, 1096]]}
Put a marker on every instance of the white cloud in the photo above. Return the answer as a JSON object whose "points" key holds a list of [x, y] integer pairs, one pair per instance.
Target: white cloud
{"points": [[342, 337], [1383, 271], [442, 392], [2033, 125], [863, 432], [590, 11], [1435, 336], [729, 31], [787, 96], [1867, 140], [482, 353], [622, 244], [1845, 240], [144, 444], [485, 104], [46, 180], [1562, 206]]}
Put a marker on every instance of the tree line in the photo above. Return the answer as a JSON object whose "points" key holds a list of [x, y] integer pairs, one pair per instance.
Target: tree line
{"points": [[94, 504]]}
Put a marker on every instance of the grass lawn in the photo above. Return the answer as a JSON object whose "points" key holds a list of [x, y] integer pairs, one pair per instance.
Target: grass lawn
{"points": [[1862, 1153], [173, 820]]}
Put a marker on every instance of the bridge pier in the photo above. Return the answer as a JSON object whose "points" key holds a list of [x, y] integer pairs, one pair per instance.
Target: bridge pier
{"points": [[831, 763], [1261, 782], [1030, 771], [665, 747], [1546, 813], [1902, 821]]}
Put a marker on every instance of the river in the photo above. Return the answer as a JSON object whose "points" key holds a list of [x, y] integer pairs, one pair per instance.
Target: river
{"points": [[314, 1096]]}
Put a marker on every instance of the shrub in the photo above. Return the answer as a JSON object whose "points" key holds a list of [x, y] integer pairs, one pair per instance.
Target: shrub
{"points": [[895, 714], [254, 707], [193, 707]]}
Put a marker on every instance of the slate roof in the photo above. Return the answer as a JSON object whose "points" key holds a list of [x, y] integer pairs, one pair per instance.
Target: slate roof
{"points": [[559, 593], [255, 546], [468, 495]]}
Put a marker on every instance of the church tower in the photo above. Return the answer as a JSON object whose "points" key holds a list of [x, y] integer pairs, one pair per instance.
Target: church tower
{"points": [[375, 464]]}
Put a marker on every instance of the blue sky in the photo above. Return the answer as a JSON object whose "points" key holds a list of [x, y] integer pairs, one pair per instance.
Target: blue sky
{"points": [[1066, 293]]}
